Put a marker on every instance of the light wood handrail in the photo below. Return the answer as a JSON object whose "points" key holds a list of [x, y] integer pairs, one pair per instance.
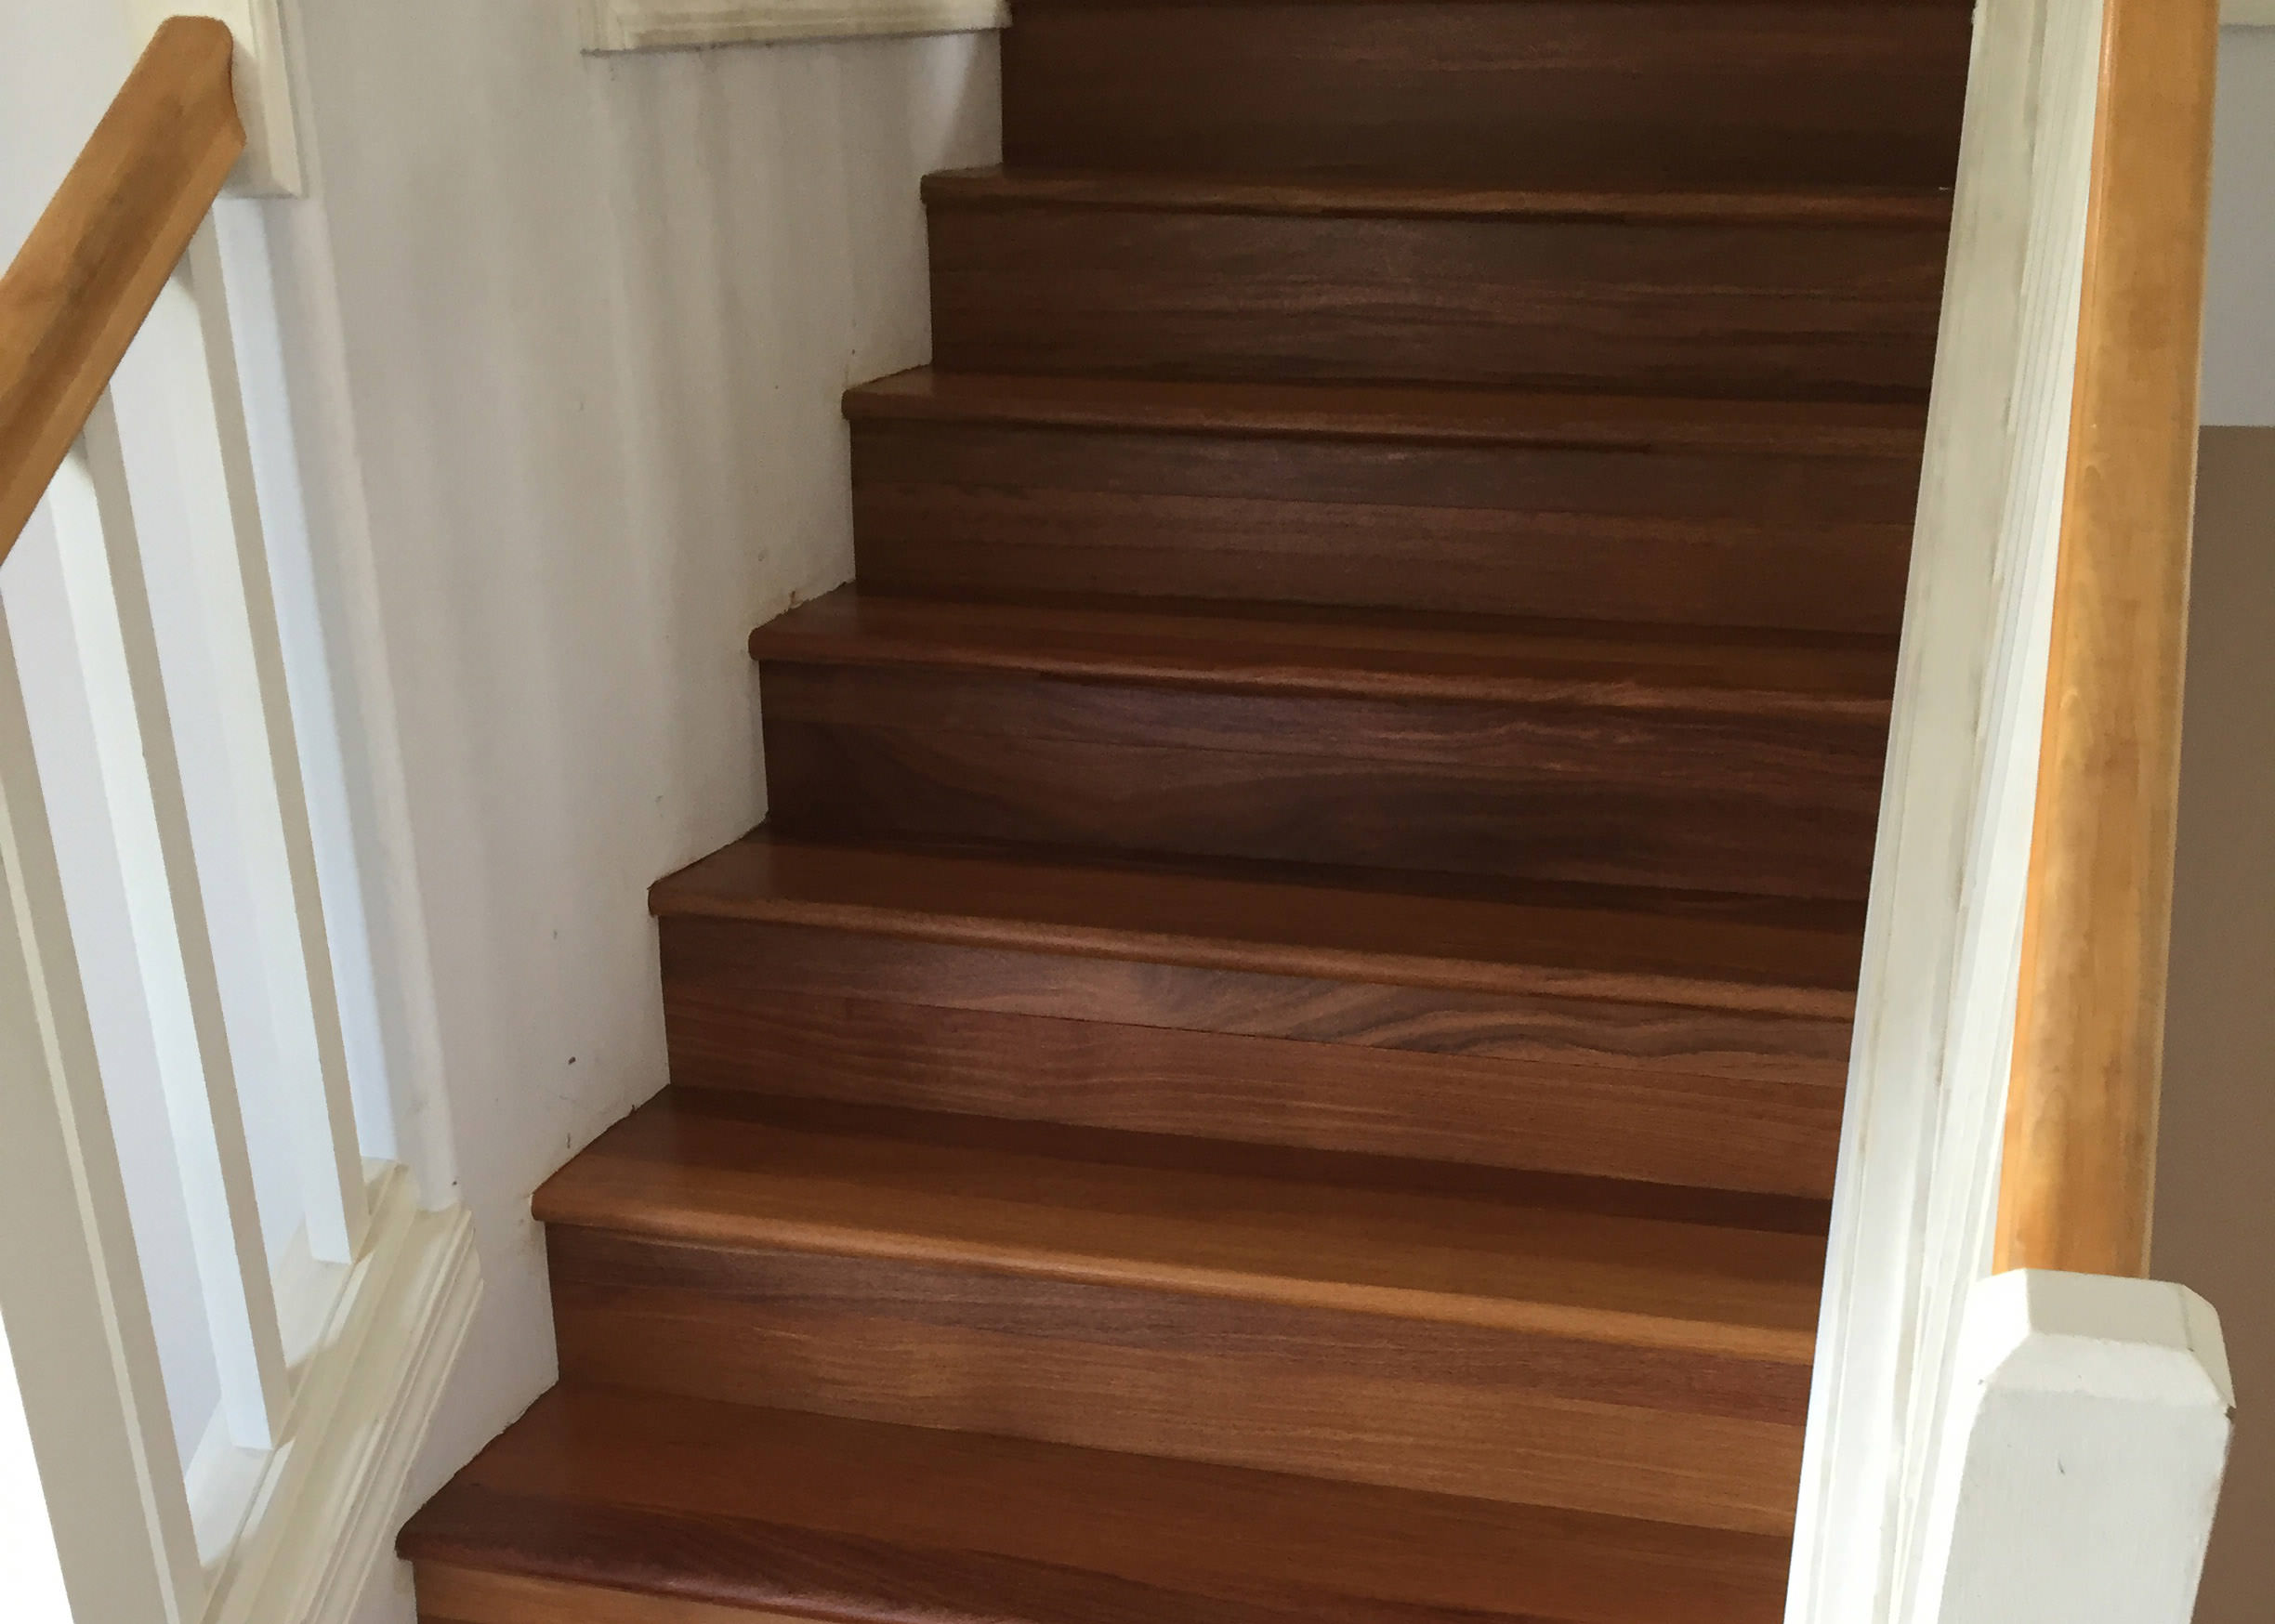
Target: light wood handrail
{"points": [[2082, 1112], [87, 276]]}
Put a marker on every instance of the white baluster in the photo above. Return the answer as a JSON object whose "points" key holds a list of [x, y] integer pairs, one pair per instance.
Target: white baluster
{"points": [[273, 810], [86, 1389], [202, 1110]]}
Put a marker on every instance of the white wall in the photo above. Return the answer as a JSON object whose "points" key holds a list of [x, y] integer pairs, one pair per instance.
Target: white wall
{"points": [[593, 317], [2238, 374]]}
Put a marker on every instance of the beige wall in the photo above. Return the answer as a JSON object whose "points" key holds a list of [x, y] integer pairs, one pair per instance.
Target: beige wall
{"points": [[2216, 1203]]}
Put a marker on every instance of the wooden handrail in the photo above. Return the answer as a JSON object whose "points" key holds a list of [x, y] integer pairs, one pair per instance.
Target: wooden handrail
{"points": [[87, 276], [2082, 1113]]}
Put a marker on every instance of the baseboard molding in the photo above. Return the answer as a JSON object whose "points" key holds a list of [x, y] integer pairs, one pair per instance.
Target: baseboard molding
{"points": [[656, 25], [334, 1495]]}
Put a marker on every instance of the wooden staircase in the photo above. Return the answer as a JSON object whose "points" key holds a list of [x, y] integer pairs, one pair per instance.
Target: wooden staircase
{"points": [[1279, 1056]]}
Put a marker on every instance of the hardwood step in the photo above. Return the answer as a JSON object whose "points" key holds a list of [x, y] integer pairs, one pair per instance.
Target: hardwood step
{"points": [[1600, 92], [1728, 512], [1784, 293], [1679, 1038], [1599, 754], [604, 1507], [1469, 1343]]}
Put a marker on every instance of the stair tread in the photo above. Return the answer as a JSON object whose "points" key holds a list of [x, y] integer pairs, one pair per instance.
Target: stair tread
{"points": [[1920, 208], [1393, 411], [1044, 1203], [1283, 649], [715, 1503], [1572, 941]]}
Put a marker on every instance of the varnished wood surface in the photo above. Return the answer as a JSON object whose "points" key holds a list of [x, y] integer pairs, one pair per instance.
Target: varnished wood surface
{"points": [[1352, 200], [1283, 920], [1702, 94], [694, 1504], [1294, 1071], [1036, 1285], [2080, 1164], [1730, 514], [1057, 1206], [1409, 414], [1771, 808], [1287, 649], [1710, 1440], [1054, 278], [1636, 1091], [93, 265]]}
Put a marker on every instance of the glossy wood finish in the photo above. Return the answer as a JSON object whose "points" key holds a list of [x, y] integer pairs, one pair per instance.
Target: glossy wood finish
{"points": [[1819, 296], [1280, 1056], [2089, 1035], [1707, 513], [87, 277], [1045, 1292], [1553, 757], [1753, 955], [1512, 94], [650, 1496]]}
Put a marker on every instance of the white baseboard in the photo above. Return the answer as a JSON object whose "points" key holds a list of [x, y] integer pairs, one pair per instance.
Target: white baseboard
{"points": [[332, 1496], [652, 25]]}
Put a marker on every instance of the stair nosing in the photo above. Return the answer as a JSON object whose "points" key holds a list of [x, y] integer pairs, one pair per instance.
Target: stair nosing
{"points": [[1372, 412], [1823, 207], [792, 640], [1620, 1326], [1242, 954]]}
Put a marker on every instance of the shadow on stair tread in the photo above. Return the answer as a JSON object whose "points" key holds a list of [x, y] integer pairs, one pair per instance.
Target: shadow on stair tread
{"points": [[678, 1504]]}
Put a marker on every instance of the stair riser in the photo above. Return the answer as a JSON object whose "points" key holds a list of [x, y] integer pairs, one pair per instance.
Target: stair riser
{"points": [[1776, 807], [1499, 1414], [1717, 310], [1817, 544], [1569, 1086], [1572, 94]]}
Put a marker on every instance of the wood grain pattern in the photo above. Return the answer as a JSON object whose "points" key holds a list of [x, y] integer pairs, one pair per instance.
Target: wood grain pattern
{"points": [[1411, 414], [1348, 654], [1080, 1207], [658, 1496], [1776, 809], [1701, 94], [1729, 515], [2081, 1110], [1036, 277], [87, 277], [1752, 956], [1627, 1093], [1281, 1055], [1044, 1294]]}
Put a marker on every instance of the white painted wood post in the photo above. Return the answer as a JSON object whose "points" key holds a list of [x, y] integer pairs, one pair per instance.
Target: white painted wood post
{"points": [[306, 1003], [2084, 1452], [202, 1107], [83, 1384]]}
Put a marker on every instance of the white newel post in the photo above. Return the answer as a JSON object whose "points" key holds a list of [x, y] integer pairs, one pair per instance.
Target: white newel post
{"points": [[2088, 1431]]}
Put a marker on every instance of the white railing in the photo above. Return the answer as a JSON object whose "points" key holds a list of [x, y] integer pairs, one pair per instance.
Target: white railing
{"points": [[223, 1305]]}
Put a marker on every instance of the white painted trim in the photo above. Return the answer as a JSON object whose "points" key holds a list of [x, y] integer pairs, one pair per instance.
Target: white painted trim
{"points": [[272, 165], [1917, 1186], [330, 1500], [2086, 1441], [653, 25], [83, 1390], [2247, 14]]}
